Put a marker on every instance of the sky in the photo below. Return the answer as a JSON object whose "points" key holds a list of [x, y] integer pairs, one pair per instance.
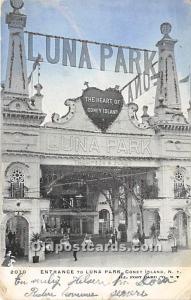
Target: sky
{"points": [[134, 23]]}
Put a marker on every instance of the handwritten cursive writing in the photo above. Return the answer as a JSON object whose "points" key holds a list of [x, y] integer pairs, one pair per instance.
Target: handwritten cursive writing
{"points": [[53, 280], [120, 280], [128, 293], [87, 279], [19, 280], [67, 293], [148, 280], [34, 292]]}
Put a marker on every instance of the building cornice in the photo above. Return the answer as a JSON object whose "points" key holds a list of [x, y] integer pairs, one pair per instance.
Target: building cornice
{"points": [[86, 157], [179, 128]]}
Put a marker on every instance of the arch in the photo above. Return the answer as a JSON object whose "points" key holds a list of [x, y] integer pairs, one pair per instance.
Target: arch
{"points": [[17, 235], [3, 226], [15, 179], [16, 164], [180, 221], [11, 215]]}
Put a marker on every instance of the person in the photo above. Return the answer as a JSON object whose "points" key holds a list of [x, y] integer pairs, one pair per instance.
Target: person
{"points": [[62, 228], [9, 260], [65, 241], [113, 238], [109, 242], [153, 235], [87, 241], [55, 229], [115, 232], [68, 229], [10, 236], [75, 255], [14, 236], [139, 235], [119, 235], [143, 238], [135, 241], [75, 250]]}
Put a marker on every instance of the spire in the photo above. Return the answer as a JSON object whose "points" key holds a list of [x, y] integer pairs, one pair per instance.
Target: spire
{"points": [[16, 75], [167, 84]]}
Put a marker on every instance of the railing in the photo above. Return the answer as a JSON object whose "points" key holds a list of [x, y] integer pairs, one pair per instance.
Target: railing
{"points": [[180, 192]]}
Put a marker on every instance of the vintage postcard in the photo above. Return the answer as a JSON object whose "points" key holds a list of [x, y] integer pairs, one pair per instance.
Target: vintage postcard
{"points": [[95, 149]]}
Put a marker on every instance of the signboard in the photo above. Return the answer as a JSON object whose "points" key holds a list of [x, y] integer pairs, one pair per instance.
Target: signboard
{"points": [[59, 49], [102, 107]]}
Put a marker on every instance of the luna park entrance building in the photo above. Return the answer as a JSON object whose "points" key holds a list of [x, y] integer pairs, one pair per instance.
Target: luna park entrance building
{"points": [[74, 175]]}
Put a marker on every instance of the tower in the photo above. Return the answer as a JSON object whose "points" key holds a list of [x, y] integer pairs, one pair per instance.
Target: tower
{"points": [[167, 93], [17, 107], [16, 76]]}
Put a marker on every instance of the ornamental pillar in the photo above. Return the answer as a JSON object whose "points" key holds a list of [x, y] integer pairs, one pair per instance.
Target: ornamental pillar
{"points": [[116, 210], [167, 83], [165, 177], [166, 218], [16, 75]]}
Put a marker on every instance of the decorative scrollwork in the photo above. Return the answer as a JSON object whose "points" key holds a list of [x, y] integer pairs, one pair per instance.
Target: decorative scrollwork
{"points": [[132, 111], [72, 107]]}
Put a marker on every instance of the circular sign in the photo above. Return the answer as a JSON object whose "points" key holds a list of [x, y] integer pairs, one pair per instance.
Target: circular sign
{"points": [[17, 4], [165, 28], [102, 107]]}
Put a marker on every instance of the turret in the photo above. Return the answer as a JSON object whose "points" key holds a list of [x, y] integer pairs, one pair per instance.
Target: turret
{"points": [[16, 76], [18, 108], [167, 91]]}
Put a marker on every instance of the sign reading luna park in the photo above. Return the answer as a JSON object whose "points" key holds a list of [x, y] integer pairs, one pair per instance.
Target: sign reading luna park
{"points": [[102, 107], [77, 53]]}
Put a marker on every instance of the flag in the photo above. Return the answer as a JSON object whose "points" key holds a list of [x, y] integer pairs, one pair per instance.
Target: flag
{"points": [[35, 64], [185, 79]]}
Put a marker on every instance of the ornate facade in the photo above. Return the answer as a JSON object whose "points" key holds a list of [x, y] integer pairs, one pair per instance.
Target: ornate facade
{"points": [[68, 172]]}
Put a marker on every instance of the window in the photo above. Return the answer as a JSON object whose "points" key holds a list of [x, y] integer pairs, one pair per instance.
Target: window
{"points": [[179, 188], [17, 183]]}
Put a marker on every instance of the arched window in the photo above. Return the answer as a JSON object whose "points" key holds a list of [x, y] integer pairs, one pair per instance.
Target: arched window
{"points": [[179, 188], [17, 183]]}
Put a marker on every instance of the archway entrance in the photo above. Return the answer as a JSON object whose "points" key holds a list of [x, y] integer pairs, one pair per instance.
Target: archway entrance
{"points": [[104, 221], [17, 236], [180, 223]]}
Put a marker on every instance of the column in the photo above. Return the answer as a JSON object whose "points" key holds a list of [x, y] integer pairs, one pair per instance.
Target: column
{"points": [[116, 213], [165, 177], [81, 226], [166, 218], [96, 224], [131, 219], [3, 237]]}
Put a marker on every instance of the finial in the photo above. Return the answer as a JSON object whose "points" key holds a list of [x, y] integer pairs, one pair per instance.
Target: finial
{"points": [[145, 111], [86, 84], [165, 29], [38, 88], [17, 4]]}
